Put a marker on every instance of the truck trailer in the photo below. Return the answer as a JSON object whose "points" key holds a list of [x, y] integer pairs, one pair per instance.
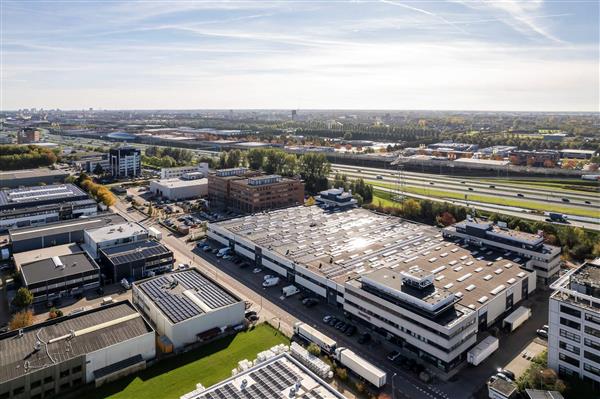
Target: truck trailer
{"points": [[155, 233], [359, 366], [482, 350], [310, 334], [516, 318]]}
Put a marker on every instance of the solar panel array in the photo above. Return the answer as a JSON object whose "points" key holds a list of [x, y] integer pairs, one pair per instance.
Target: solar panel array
{"points": [[136, 251], [167, 293], [270, 382]]}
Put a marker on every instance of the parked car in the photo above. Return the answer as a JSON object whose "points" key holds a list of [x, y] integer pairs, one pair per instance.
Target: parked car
{"points": [[502, 377], [351, 330], [520, 195], [379, 177], [470, 188], [542, 333], [392, 356], [268, 277], [250, 313], [333, 321], [256, 270], [327, 318], [252, 318], [310, 302], [364, 338], [507, 373]]}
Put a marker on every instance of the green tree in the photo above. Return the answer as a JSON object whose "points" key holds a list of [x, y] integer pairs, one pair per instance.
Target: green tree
{"points": [[234, 159], [23, 298], [256, 158], [98, 169], [411, 208], [313, 349], [315, 169]]}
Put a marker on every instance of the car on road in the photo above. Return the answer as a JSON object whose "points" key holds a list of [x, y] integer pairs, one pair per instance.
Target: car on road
{"points": [[379, 177], [333, 321], [565, 200], [432, 183], [463, 182], [502, 377], [507, 373], [339, 325], [206, 248], [470, 188], [364, 338], [327, 318], [310, 302], [542, 333], [250, 313], [588, 202], [351, 330], [392, 356], [520, 195], [244, 265], [545, 327], [256, 270], [492, 186], [252, 318], [268, 277]]}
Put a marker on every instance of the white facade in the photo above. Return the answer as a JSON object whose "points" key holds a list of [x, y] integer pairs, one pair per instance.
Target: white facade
{"points": [[111, 236], [177, 189], [177, 172], [41, 217], [574, 326]]}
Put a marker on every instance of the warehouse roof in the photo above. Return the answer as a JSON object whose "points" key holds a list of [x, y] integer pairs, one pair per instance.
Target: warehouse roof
{"points": [[65, 226], [134, 251], [22, 258], [33, 208], [113, 232], [176, 183], [68, 337], [279, 377], [31, 173], [57, 267], [30, 196], [186, 294]]}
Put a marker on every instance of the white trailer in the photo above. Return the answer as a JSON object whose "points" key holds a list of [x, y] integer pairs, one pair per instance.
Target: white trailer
{"points": [[310, 334], [482, 350], [154, 232], [516, 318], [289, 290], [368, 371]]}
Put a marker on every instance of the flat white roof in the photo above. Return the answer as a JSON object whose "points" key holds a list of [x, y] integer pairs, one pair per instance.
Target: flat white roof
{"points": [[175, 182], [116, 231]]}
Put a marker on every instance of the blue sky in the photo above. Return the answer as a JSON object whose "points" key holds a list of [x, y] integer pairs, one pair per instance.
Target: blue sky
{"points": [[538, 55]]}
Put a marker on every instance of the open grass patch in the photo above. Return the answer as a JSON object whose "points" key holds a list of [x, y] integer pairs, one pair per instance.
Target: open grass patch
{"points": [[208, 365]]}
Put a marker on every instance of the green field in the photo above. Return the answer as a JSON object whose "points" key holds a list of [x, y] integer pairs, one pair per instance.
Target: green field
{"points": [[208, 365], [514, 202]]}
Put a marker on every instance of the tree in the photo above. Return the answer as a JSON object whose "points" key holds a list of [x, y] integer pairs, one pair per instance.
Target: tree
{"points": [[446, 219], [342, 373], [313, 349], [23, 298], [21, 319], [98, 169], [315, 169], [54, 313], [256, 158], [310, 201], [234, 158], [411, 208]]}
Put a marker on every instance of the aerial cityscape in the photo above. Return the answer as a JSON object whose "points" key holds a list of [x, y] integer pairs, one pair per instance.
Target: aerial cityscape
{"points": [[300, 199]]}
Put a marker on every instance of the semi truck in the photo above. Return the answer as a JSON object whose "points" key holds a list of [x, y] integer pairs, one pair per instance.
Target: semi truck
{"points": [[155, 233], [482, 350], [516, 318], [359, 366], [310, 334]]}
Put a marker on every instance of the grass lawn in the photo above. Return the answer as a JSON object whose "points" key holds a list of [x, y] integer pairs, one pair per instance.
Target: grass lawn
{"points": [[208, 365], [506, 201]]}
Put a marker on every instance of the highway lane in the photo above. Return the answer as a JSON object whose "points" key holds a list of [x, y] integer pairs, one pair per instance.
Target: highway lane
{"points": [[462, 184]]}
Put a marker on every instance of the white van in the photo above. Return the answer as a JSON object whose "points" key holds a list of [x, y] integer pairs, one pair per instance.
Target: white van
{"points": [[289, 290], [271, 282], [223, 251], [106, 300]]}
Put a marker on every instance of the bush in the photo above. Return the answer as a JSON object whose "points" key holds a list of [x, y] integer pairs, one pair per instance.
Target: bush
{"points": [[54, 313], [313, 349], [342, 373], [21, 319]]}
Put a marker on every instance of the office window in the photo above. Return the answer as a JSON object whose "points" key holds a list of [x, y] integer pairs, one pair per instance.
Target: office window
{"points": [[76, 369], [66, 385], [592, 331], [591, 343], [35, 384], [570, 311], [570, 335], [592, 318], [591, 369], [569, 347], [37, 396], [18, 391], [65, 373], [48, 379], [48, 392], [568, 359], [591, 356], [570, 323], [77, 381], [565, 371]]}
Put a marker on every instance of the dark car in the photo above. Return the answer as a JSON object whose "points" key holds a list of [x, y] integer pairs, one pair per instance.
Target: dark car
{"points": [[364, 338], [252, 318], [507, 373], [244, 265], [310, 302], [470, 188], [345, 328], [520, 195], [333, 321], [250, 313], [339, 325], [565, 200], [350, 331]]}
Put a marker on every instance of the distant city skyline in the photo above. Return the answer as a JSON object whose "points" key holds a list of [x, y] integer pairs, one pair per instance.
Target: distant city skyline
{"points": [[509, 55]]}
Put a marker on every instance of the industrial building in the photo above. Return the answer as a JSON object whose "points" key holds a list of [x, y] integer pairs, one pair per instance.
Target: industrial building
{"points": [[111, 236], [428, 295], [281, 376], [186, 306], [547, 158], [125, 162], [538, 256], [62, 354], [31, 177], [336, 197], [248, 191], [184, 171], [57, 272], [58, 233], [577, 154], [38, 205], [179, 189], [135, 260], [28, 135], [574, 324]]}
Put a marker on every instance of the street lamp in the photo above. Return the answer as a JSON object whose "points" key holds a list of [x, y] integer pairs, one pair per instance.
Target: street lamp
{"points": [[394, 386]]}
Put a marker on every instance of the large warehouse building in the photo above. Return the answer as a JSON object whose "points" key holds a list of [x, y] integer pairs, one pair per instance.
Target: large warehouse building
{"points": [[185, 305], [38, 205], [430, 296], [31, 177], [59, 233], [179, 189], [58, 355]]}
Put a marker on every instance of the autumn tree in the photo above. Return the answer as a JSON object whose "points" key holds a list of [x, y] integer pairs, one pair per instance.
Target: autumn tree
{"points": [[21, 319]]}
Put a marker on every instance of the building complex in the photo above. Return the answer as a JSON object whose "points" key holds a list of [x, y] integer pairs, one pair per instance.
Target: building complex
{"points": [[112, 236], [135, 260], [125, 162], [429, 295], [574, 324]]}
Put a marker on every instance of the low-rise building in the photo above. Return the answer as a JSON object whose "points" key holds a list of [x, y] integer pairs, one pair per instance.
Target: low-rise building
{"points": [[538, 256], [57, 272], [32, 177], [547, 158], [185, 305], [59, 233], [577, 154], [281, 376], [260, 193], [59, 355], [112, 236], [501, 389], [336, 197], [574, 324], [182, 171], [179, 189], [135, 260]]}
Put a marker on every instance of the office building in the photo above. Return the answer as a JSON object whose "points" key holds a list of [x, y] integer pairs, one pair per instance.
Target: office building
{"points": [[177, 189], [184, 171], [186, 305], [245, 191], [59, 355], [429, 296], [336, 198], [31, 177], [58, 233], [135, 260], [28, 135], [281, 376], [125, 162], [538, 256], [38, 205], [547, 158], [90, 164], [574, 324], [577, 154], [112, 236], [57, 272]]}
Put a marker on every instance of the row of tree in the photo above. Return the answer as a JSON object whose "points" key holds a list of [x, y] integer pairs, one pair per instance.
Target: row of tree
{"points": [[98, 191], [25, 157], [181, 155], [362, 191]]}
